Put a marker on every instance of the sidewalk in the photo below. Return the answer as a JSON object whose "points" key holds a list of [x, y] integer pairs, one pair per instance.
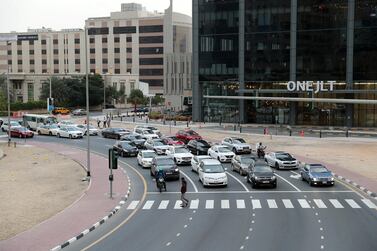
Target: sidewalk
{"points": [[87, 210]]}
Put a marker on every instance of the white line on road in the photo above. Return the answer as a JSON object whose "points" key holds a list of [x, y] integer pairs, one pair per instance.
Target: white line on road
{"points": [[256, 204], [303, 203], [288, 182], [189, 179], [194, 204], [225, 204], [241, 204], [336, 203], [133, 205], [369, 203], [254, 192], [178, 204], [242, 184], [272, 204], [287, 203], [352, 203], [148, 204], [210, 204], [319, 203], [164, 204]]}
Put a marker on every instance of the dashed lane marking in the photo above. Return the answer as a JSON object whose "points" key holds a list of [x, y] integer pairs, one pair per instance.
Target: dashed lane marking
{"points": [[319, 203], [225, 204], [369, 203], [164, 204], [210, 204], [303, 203], [256, 204], [336, 203], [133, 205], [241, 204], [272, 204], [287, 203], [148, 204], [352, 203]]}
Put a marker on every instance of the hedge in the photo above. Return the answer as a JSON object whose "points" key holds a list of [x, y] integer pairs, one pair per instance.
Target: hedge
{"points": [[28, 106]]}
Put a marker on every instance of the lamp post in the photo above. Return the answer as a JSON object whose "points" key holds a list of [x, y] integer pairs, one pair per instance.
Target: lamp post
{"points": [[87, 103], [8, 98]]}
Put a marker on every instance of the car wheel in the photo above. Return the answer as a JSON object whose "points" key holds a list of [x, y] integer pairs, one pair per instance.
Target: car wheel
{"points": [[302, 178], [39, 132], [58, 135], [3, 129], [70, 136], [118, 137], [234, 150], [253, 185], [50, 133], [232, 166], [248, 179], [310, 182], [150, 172], [20, 136], [277, 166], [274, 185]]}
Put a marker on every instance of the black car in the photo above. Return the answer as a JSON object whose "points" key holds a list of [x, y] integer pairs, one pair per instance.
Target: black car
{"points": [[167, 164], [198, 146], [114, 133], [134, 138], [126, 148], [261, 174]]}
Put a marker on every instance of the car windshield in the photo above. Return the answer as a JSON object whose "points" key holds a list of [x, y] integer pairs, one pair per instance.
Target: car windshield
{"points": [[71, 129], [152, 128], [14, 123], [223, 150], [203, 143], [165, 162], [247, 161], [239, 141], [283, 155], [181, 150], [148, 132], [191, 133], [318, 169], [67, 122], [172, 138], [149, 155], [127, 144], [262, 169], [119, 130], [22, 129], [213, 169], [54, 127], [159, 143]]}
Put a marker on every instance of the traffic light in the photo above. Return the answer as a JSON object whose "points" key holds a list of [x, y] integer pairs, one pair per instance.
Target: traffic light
{"points": [[50, 104], [113, 159]]}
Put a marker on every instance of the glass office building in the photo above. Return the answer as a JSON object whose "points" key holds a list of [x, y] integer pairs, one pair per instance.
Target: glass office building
{"points": [[253, 48]]}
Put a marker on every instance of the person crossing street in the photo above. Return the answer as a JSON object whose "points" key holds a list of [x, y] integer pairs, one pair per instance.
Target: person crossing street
{"points": [[183, 192]]}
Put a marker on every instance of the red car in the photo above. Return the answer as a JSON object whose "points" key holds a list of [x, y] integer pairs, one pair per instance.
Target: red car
{"points": [[172, 141], [187, 135], [21, 132]]}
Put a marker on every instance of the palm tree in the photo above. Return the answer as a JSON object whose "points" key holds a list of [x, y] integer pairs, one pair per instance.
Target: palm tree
{"points": [[136, 98]]}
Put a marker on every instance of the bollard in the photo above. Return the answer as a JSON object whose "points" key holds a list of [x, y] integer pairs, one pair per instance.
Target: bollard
{"points": [[146, 120], [133, 119], [240, 129], [234, 127], [121, 118], [347, 133], [320, 133], [290, 132], [187, 124], [14, 144], [164, 122], [175, 122]]}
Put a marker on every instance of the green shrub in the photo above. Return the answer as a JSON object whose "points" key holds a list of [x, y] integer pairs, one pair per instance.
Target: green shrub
{"points": [[28, 106]]}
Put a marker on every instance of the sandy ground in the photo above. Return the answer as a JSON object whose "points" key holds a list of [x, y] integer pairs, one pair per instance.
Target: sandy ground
{"points": [[35, 184]]}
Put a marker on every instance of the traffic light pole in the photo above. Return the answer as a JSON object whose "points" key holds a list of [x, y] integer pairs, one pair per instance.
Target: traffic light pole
{"points": [[8, 96], [87, 103]]}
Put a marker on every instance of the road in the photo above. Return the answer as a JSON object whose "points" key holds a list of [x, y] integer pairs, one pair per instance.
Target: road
{"points": [[294, 216]]}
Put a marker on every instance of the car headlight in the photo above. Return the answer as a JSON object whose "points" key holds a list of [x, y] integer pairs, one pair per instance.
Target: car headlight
{"points": [[315, 179], [125, 150], [332, 179], [176, 170], [273, 178], [256, 177]]}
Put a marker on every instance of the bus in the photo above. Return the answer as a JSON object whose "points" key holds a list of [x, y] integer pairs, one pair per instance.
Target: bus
{"points": [[32, 121]]}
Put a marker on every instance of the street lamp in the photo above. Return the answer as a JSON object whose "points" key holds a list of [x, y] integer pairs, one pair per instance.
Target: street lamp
{"points": [[8, 97], [87, 103]]}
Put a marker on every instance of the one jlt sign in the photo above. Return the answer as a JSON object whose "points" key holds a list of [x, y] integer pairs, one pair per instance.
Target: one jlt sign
{"points": [[311, 86]]}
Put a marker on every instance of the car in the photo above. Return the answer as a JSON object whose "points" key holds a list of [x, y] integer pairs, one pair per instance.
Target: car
{"points": [[180, 154], [261, 174], [13, 124], [69, 132], [125, 148], [167, 165], [134, 138], [237, 145], [145, 157], [221, 153], [48, 129], [212, 173], [66, 123], [281, 160], [92, 130], [198, 146], [187, 135], [172, 141], [61, 110], [21, 132], [317, 174], [195, 161], [114, 133], [152, 128], [241, 163], [79, 112], [156, 145], [146, 133]]}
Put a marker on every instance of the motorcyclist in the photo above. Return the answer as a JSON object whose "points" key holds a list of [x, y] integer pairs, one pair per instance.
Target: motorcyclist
{"points": [[260, 149], [160, 174]]}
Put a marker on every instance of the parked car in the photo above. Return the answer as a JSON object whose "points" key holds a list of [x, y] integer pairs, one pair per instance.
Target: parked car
{"points": [[114, 133], [93, 131], [198, 146], [49, 129], [317, 174], [241, 163], [145, 157], [61, 110], [180, 155], [146, 133], [152, 128], [221, 153], [13, 124], [21, 132], [125, 148], [195, 161], [212, 173], [172, 141], [260, 174], [79, 112], [69, 132], [156, 145], [281, 160], [134, 138], [187, 135], [167, 165], [237, 145]]}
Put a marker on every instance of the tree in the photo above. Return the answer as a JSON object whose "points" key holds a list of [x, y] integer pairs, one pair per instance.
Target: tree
{"points": [[136, 98], [3, 101], [158, 100], [59, 91], [113, 93]]}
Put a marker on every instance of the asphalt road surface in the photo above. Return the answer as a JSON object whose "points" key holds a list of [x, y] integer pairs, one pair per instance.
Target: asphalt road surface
{"points": [[294, 216]]}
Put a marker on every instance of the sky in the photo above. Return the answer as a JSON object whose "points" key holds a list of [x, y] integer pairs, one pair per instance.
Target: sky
{"points": [[19, 15]]}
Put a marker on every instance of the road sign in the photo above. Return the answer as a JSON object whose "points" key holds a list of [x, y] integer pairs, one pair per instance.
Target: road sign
{"points": [[28, 37], [5, 38], [50, 104]]}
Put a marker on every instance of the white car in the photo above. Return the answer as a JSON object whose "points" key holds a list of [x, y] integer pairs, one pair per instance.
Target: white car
{"points": [[238, 145], [195, 161], [146, 133], [92, 130], [180, 154], [212, 173], [281, 160], [152, 128], [221, 153], [48, 129], [69, 132], [157, 145], [145, 157], [66, 123], [13, 124]]}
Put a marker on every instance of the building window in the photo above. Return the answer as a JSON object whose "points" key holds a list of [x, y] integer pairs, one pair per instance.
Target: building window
{"points": [[116, 61], [116, 39], [132, 85], [9, 52], [104, 40], [77, 61], [77, 51], [55, 41], [32, 70], [56, 71], [9, 62], [129, 39], [104, 61], [44, 70], [32, 61], [116, 50], [44, 52], [19, 42], [151, 40], [151, 61], [105, 70], [43, 41], [129, 60], [31, 52], [56, 61], [151, 50], [77, 70], [31, 42], [104, 50], [77, 40], [92, 61], [129, 70], [19, 61], [124, 30], [151, 28], [91, 40], [30, 91], [117, 71], [56, 51], [19, 52], [151, 72], [129, 50], [92, 50], [92, 71]]}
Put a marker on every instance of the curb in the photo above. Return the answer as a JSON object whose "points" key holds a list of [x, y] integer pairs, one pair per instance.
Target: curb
{"points": [[99, 223]]}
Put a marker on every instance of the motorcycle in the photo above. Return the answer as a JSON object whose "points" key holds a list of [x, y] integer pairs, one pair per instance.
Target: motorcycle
{"points": [[261, 153], [161, 184]]}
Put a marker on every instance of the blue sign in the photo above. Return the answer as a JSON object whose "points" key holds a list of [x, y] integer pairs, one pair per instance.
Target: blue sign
{"points": [[50, 108]]}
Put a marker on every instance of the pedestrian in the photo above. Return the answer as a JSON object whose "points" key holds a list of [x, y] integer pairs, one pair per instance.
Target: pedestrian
{"points": [[104, 123], [108, 122], [98, 122], [183, 192]]}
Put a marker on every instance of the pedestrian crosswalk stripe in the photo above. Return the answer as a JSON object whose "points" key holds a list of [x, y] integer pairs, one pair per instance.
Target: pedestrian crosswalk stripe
{"points": [[241, 204], [287, 203], [225, 204], [272, 204], [319, 203], [256, 204], [369, 203], [303, 203], [164, 204], [133, 205], [178, 204], [352, 203], [194, 204], [210, 204], [148, 204], [336, 203]]}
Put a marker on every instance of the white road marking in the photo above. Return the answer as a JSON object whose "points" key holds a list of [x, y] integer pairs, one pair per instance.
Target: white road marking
{"points": [[256, 204], [336, 203], [148, 205], [178, 204], [133, 205], [225, 204], [288, 182], [272, 204], [352, 203], [242, 184], [210, 204], [256, 192], [164, 204], [189, 179], [194, 204], [369, 203], [319, 203], [287, 203], [296, 176], [303, 203], [241, 204]]}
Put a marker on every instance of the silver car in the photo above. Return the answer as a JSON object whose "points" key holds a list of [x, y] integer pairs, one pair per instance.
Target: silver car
{"points": [[241, 164], [281, 160], [157, 145], [195, 161], [237, 145]]}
